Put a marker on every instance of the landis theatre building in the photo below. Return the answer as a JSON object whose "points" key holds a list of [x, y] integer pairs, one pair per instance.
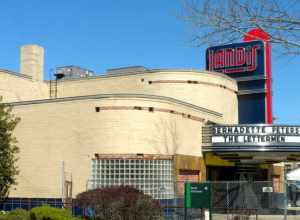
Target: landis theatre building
{"points": [[149, 128]]}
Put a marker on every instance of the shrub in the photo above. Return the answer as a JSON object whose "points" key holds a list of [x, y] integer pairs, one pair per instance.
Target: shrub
{"points": [[117, 203], [50, 213], [32, 216], [38, 213], [17, 214]]}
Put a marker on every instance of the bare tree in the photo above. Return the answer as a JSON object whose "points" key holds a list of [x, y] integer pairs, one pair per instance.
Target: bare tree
{"points": [[226, 21]]}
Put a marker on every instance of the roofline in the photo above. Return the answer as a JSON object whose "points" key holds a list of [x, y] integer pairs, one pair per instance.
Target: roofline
{"points": [[15, 74], [196, 71], [119, 95], [150, 71]]}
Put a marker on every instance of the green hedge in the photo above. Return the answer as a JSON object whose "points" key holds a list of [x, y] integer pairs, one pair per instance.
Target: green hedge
{"points": [[17, 214], [39, 213]]}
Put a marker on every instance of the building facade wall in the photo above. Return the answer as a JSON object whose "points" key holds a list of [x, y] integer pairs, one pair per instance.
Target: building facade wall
{"points": [[72, 131], [206, 89], [15, 87], [155, 113]]}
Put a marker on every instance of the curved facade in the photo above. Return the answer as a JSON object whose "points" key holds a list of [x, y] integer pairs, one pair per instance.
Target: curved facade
{"points": [[155, 114], [199, 88]]}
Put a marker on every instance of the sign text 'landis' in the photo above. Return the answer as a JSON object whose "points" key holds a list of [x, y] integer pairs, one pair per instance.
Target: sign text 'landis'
{"points": [[235, 58]]}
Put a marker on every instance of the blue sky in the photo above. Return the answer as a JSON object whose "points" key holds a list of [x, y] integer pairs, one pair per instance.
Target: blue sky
{"points": [[99, 35]]}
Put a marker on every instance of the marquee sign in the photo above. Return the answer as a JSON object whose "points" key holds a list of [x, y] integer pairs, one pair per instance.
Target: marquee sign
{"points": [[249, 63], [255, 137], [236, 58]]}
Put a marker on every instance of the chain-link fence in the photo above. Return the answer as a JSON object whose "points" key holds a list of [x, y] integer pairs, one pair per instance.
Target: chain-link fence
{"points": [[229, 201], [241, 201]]}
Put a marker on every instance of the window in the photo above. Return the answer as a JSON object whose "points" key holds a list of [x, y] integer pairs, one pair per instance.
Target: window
{"points": [[136, 173]]}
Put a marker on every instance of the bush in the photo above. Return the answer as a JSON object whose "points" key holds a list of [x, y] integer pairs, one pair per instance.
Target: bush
{"points": [[115, 203], [17, 214], [49, 213], [39, 213]]}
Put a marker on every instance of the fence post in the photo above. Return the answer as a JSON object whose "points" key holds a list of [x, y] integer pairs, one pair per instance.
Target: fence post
{"points": [[227, 197], [210, 202], [285, 196]]}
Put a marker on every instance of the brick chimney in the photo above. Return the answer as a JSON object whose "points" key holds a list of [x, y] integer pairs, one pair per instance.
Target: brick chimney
{"points": [[32, 61]]}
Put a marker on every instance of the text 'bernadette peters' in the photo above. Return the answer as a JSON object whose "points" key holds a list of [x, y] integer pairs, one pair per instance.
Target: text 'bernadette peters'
{"points": [[253, 129], [255, 134]]}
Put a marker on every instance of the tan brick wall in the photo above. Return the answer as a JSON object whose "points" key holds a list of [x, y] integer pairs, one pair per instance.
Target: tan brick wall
{"points": [[15, 87], [54, 131], [213, 91], [73, 132], [209, 93]]}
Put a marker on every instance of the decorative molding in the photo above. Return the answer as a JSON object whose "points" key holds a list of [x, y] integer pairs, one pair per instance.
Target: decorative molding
{"points": [[191, 82], [153, 109]]}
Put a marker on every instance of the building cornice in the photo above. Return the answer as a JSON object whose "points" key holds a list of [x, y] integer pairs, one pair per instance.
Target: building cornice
{"points": [[15, 74], [150, 71], [121, 96]]}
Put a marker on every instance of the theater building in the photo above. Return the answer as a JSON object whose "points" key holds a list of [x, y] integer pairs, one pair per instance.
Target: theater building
{"points": [[148, 128]]}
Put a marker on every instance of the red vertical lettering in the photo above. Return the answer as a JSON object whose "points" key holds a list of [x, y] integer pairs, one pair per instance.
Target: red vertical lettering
{"points": [[254, 56], [229, 57], [240, 56], [219, 59], [248, 57]]}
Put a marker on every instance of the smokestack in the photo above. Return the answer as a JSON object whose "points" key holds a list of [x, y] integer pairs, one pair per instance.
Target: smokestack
{"points": [[32, 61]]}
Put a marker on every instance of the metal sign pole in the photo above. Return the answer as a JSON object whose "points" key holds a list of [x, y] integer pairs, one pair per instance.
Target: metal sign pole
{"points": [[210, 202], [285, 188]]}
